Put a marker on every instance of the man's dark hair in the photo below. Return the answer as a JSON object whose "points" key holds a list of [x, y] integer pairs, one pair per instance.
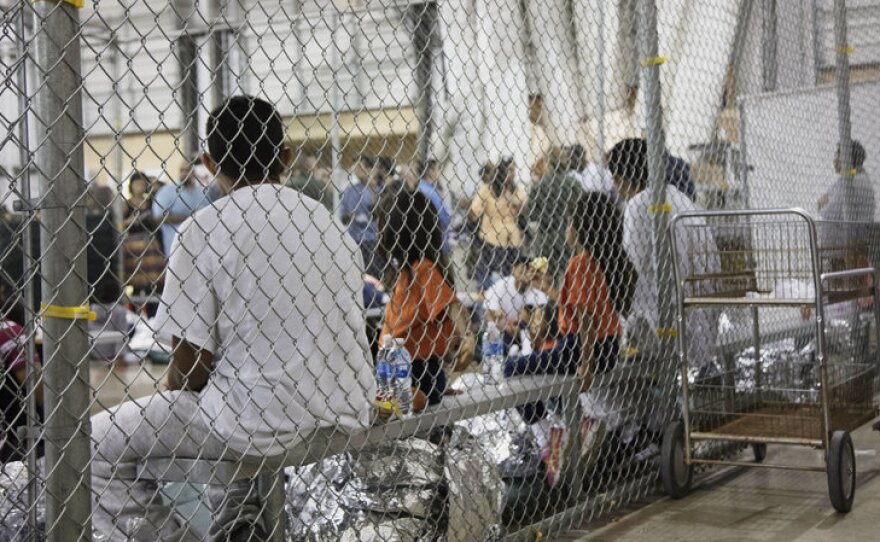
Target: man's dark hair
{"points": [[368, 161], [598, 223], [486, 169], [245, 138], [521, 258], [577, 157], [138, 175], [425, 165], [629, 160], [858, 154], [550, 312], [499, 180], [385, 168]]}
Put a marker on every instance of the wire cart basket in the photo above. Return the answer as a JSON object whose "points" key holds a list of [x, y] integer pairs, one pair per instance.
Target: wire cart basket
{"points": [[766, 259]]}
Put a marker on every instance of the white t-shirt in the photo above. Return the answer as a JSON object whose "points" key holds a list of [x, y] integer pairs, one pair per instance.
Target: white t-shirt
{"points": [[268, 281], [505, 298], [698, 254]]}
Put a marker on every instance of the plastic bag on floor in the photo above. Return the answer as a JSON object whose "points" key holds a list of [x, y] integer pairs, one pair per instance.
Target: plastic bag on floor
{"points": [[14, 478], [474, 490]]}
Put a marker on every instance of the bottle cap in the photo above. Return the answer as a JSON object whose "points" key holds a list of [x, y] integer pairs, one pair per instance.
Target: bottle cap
{"points": [[387, 340]]}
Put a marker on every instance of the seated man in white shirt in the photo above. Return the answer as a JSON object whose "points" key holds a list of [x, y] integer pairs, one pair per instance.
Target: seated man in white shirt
{"points": [[262, 304], [508, 296], [628, 164]]}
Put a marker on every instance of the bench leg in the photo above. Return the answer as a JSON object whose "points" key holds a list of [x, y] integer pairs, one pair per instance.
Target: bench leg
{"points": [[270, 486]]}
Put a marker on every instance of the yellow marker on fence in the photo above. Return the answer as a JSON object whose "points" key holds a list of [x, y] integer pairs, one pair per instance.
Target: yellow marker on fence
{"points": [[653, 61], [74, 3], [82, 312], [667, 332], [662, 208], [846, 49]]}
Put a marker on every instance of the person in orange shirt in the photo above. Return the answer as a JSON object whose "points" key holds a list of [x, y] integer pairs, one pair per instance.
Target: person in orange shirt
{"points": [[423, 309], [596, 290]]}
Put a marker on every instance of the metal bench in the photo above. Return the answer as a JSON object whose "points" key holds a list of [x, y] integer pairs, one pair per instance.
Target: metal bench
{"points": [[269, 476]]}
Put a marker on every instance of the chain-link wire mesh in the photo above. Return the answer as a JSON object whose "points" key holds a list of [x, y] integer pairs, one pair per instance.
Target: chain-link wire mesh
{"points": [[398, 270]]}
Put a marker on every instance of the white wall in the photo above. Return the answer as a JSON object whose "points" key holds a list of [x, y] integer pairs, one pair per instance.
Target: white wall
{"points": [[791, 138], [289, 60]]}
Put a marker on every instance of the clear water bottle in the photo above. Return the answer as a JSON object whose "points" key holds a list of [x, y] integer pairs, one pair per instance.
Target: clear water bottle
{"points": [[384, 372], [402, 382], [493, 354]]}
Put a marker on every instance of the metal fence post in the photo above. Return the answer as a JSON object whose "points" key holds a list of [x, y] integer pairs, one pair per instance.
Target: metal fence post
{"points": [[188, 88], [63, 239], [28, 266], [424, 23], [769, 44], [656, 139], [843, 50]]}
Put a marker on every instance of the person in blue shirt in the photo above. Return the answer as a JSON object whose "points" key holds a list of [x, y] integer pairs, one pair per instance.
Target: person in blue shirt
{"points": [[356, 210], [429, 185], [176, 202]]}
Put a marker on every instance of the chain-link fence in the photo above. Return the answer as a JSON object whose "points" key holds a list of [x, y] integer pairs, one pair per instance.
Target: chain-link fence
{"points": [[398, 270]]}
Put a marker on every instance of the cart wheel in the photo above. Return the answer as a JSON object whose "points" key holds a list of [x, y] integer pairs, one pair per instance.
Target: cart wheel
{"points": [[841, 472], [675, 474], [760, 452]]}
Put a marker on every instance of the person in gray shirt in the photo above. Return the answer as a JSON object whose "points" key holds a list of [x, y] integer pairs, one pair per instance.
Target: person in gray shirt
{"points": [[859, 197]]}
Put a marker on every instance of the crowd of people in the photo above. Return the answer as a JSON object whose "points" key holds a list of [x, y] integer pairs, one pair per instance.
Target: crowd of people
{"points": [[267, 273]]}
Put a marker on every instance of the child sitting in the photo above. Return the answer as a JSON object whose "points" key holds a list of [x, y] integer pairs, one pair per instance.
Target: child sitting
{"points": [[547, 349], [543, 334]]}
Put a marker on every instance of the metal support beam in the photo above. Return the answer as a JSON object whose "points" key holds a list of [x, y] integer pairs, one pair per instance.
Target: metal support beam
{"points": [[769, 40], [656, 138], [844, 121], [423, 17], [28, 263], [63, 242], [188, 87]]}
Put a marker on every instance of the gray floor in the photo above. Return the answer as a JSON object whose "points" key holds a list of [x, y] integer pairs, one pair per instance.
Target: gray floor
{"points": [[762, 505]]}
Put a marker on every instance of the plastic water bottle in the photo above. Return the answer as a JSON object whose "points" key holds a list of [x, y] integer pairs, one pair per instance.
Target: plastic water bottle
{"points": [[493, 354], [384, 372], [402, 382]]}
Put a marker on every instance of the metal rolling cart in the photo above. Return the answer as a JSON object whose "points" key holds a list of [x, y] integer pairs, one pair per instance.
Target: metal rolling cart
{"points": [[791, 261]]}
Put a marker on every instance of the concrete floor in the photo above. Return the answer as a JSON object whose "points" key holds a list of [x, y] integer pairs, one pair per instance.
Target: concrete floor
{"points": [[739, 504]]}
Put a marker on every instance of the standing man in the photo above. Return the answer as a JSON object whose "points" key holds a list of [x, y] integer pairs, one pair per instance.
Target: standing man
{"points": [[176, 202], [430, 186], [356, 210], [550, 204], [262, 306], [859, 197], [310, 180], [628, 163]]}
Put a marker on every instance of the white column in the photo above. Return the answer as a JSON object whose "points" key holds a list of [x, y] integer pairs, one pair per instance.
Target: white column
{"points": [[555, 69]]}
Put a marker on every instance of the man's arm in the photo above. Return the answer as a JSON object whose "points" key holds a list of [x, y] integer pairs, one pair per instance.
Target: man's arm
{"points": [[345, 207], [190, 366], [174, 218]]}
